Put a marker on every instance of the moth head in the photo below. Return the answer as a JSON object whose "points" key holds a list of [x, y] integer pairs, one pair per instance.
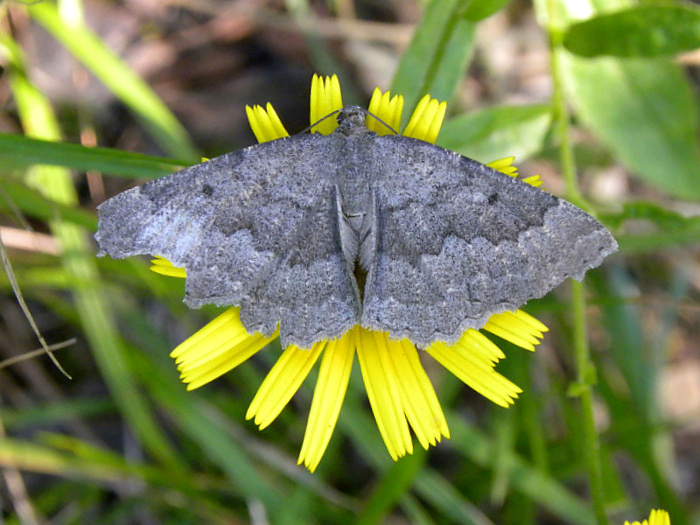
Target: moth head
{"points": [[353, 120]]}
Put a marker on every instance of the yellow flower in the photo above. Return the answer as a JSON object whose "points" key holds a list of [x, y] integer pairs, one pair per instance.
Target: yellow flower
{"points": [[657, 517], [398, 388]]}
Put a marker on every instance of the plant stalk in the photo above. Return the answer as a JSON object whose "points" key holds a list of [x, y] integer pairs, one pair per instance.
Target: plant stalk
{"points": [[585, 369]]}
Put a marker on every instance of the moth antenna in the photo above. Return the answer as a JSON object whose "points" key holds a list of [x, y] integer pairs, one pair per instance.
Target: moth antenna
{"points": [[312, 126], [363, 110], [375, 117]]}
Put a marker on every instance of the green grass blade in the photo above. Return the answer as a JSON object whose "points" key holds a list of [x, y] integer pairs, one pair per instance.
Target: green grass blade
{"points": [[35, 205], [116, 75], [446, 497], [18, 151], [198, 424], [430, 485], [540, 488], [474, 446], [56, 413], [638, 423], [77, 257], [84, 463], [438, 54], [477, 11], [194, 417], [396, 480], [324, 62]]}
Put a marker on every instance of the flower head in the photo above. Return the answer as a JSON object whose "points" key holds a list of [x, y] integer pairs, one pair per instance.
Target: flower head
{"points": [[399, 390], [657, 517]]}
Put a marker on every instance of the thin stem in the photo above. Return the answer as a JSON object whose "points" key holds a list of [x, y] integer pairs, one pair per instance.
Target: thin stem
{"points": [[585, 377], [584, 366], [561, 118]]}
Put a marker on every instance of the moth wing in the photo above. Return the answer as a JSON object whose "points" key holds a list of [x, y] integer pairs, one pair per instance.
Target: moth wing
{"points": [[453, 241], [257, 228]]}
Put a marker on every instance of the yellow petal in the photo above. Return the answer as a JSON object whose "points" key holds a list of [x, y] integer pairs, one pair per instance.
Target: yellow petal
{"points": [[265, 123], [534, 323], [164, 267], [386, 108], [383, 391], [481, 346], [506, 166], [282, 382], [659, 517], [426, 121], [329, 393], [420, 403], [214, 349], [517, 327], [218, 347], [325, 99], [472, 360], [437, 117], [236, 355], [534, 180], [229, 318]]}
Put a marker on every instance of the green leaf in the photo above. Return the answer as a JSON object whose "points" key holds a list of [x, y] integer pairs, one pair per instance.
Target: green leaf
{"points": [[663, 218], [643, 31], [480, 9], [21, 152], [668, 228], [645, 112], [498, 132], [438, 55], [653, 242], [109, 68]]}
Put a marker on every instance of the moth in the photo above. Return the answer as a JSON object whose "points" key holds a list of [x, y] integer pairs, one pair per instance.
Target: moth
{"points": [[317, 233]]}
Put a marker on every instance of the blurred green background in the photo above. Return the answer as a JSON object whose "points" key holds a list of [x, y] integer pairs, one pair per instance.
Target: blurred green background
{"points": [[157, 84]]}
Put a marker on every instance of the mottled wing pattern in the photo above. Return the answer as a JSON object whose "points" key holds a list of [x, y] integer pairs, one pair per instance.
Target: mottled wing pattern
{"points": [[455, 241], [257, 228]]}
